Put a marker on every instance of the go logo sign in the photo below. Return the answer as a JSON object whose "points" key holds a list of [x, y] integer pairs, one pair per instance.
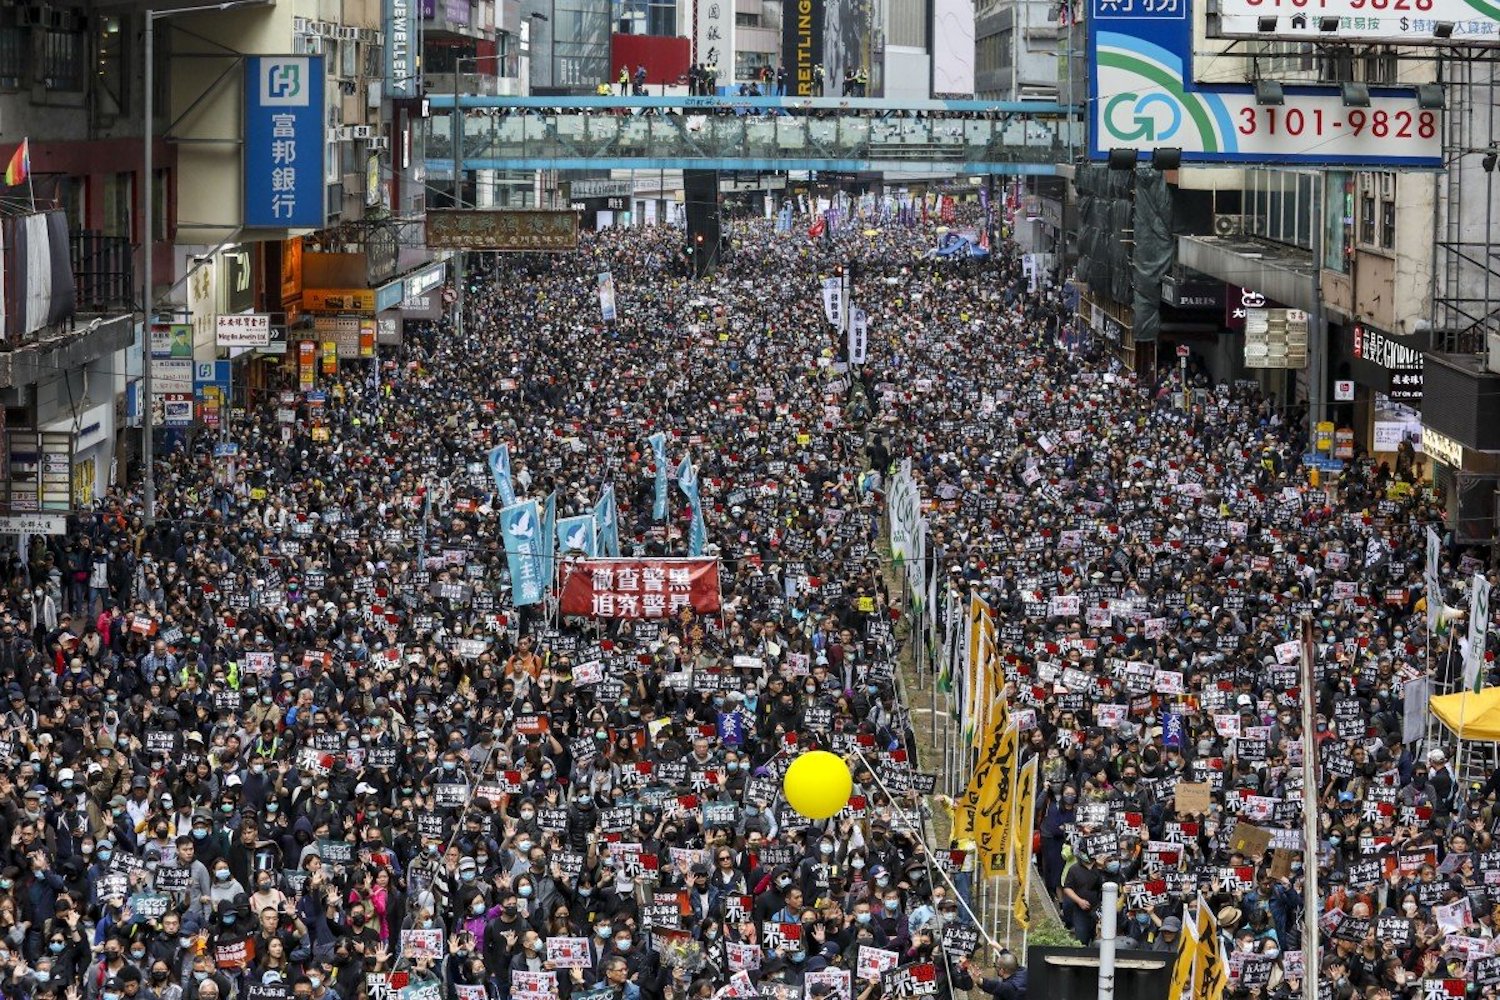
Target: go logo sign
{"points": [[1153, 118]]}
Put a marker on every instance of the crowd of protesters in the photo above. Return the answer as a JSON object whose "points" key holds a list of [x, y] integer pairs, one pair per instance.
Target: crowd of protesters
{"points": [[284, 743]]}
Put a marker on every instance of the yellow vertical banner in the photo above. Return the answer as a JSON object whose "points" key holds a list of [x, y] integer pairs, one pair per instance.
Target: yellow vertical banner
{"points": [[1021, 832], [1210, 972], [984, 774], [973, 671], [992, 821], [992, 678], [1182, 970]]}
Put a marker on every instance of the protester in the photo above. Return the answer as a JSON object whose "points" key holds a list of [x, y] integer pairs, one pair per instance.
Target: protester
{"points": [[288, 733]]}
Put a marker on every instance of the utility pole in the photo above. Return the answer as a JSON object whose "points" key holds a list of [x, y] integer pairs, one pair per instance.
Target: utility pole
{"points": [[148, 278], [1311, 903], [458, 188]]}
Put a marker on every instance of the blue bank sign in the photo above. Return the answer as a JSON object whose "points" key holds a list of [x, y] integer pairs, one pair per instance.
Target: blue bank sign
{"points": [[284, 139], [1141, 72]]}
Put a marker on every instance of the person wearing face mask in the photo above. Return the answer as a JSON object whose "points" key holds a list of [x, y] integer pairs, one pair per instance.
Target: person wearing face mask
{"points": [[104, 979], [1059, 816], [196, 893], [225, 886], [1081, 895], [503, 932]]}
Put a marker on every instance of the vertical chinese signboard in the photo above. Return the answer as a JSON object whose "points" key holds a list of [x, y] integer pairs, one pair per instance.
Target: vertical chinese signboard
{"points": [[284, 137]]}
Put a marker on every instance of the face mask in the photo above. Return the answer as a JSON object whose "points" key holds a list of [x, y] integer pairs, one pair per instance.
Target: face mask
{"points": [[228, 808], [585, 892], [272, 806], [109, 996], [105, 853], [477, 906], [56, 947], [265, 699], [622, 943], [315, 981], [466, 876], [183, 942], [323, 793], [138, 955], [5, 883], [536, 945], [199, 976], [159, 976], [527, 815], [799, 956], [892, 905], [733, 766], [862, 918], [856, 863], [524, 892], [1113, 867], [882, 880], [222, 874], [782, 883], [449, 765], [257, 769], [825, 848], [199, 833], [523, 846], [602, 930], [229, 919], [547, 772]]}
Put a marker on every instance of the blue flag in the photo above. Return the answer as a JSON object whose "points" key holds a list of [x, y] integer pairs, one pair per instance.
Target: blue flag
{"points": [[607, 523], [687, 481], [521, 530], [500, 469], [576, 534], [659, 456], [1171, 730], [547, 556]]}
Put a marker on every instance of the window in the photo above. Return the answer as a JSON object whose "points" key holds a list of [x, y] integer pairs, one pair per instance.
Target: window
{"points": [[1337, 223], [13, 53], [69, 198], [348, 59], [119, 205], [1388, 224], [62, 60], [746, 20], [1380, 66], [1366, 217], [110, 76], [747, 65]]}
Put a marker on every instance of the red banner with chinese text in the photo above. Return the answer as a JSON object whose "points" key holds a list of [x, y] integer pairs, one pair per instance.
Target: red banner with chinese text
{"points": [[639, 588]]}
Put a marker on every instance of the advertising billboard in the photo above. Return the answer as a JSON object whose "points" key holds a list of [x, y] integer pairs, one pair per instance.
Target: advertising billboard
{"points": [[1140, 61], [802, 47], [1400, 22], [284, 136], [953, 49]]}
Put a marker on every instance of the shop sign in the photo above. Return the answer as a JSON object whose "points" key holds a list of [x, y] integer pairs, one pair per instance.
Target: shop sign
{"points": [[1442, 448]]}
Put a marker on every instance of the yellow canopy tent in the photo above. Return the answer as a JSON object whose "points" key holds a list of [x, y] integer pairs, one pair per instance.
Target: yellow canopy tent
{"points": [[1470, 715]]}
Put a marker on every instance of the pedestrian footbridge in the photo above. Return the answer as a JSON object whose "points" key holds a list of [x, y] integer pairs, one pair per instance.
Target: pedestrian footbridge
{"points": [[756, 133]]}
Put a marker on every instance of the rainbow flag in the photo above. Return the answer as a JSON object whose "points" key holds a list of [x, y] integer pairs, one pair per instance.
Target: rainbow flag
{"points": [[20, 165]]}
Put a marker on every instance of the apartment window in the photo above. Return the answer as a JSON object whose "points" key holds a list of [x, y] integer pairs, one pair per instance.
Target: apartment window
{"points": [[13, 53], [119, 205], [62, 60], [1387, 224], [110, 73], [348, 59], [1381, 66], [1366, 216], [746, 20], [69, 198]]}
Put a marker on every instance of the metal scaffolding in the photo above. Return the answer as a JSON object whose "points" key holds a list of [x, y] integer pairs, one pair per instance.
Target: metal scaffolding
{"points": [[1466, 268]]}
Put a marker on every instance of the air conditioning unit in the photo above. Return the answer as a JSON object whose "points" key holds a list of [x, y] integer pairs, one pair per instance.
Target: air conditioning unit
{"points": [[328, 29], [301, 25], [344, 133], [361, 131], [380, 142], [348, 34], [1492, 355], [312, 45], [1229, 225]]}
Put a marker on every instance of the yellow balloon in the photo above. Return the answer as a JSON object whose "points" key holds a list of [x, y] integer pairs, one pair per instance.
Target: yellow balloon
{"points": [[818, 784]]}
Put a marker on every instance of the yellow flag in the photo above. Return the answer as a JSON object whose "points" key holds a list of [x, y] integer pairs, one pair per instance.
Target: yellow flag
{"points": [[992, 819], [973, 692], [1021, 830], [1210, 972], [992, 678], [1182, 971], [983, 774]]}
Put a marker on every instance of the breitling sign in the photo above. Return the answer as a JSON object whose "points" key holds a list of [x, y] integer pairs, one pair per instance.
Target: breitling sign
{"points": [[524, 230]]}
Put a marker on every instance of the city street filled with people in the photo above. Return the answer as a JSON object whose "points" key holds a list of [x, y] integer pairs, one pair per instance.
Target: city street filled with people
{"points": [[294, 740]]}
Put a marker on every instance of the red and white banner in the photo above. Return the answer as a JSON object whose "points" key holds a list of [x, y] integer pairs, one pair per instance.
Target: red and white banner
{"points": [[639, 588]]}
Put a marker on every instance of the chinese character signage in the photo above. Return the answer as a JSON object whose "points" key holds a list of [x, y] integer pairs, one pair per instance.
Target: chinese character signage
{"points": [[283, 163], [639, 588], [243, 330], [715, 36], [532, 229]]}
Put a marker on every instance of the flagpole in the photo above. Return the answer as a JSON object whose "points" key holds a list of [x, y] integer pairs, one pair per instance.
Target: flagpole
{"points": [[1310, 897], [30, 190]]}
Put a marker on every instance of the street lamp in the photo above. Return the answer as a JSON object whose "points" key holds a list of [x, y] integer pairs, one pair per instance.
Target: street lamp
{"points": [[148, 238], [458, 173]]}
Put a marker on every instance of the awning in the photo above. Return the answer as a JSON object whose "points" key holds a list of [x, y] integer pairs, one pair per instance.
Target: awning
{"points": [[1285, 274], [1470, 715]]}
